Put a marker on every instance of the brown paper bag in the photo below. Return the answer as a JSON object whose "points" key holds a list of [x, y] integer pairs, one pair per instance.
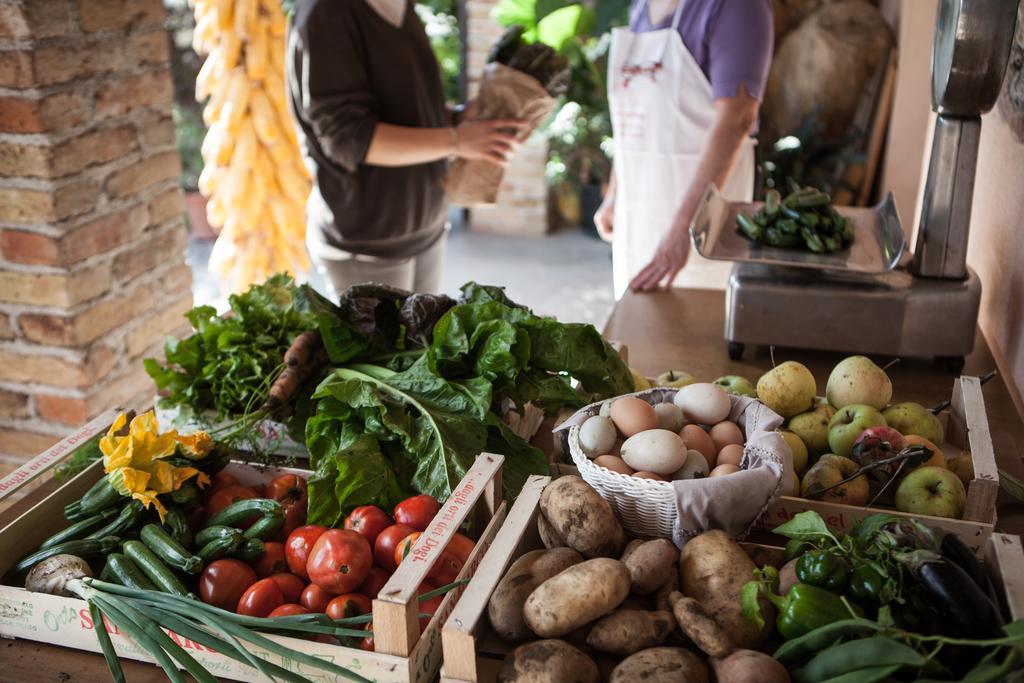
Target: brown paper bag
{"points": [[504, 94]]}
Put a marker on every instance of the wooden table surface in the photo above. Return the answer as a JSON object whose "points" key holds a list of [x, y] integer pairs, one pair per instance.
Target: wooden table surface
{"points": [[677, 330]]}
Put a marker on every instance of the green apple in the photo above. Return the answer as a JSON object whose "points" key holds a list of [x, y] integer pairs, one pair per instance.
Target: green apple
{"points": [[734, 384], [674, 379], [799, 448], [847, 424], [913, 418], [788, 388], [858, 380], [932, 491], [812, 428]]}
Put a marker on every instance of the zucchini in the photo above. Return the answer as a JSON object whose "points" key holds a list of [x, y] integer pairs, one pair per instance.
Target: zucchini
{"points": [[242, 510], [154, 569], [219, 547], [187, 495], [811, 200], [170, 551], [265, 527], [177, 526], [82, 547], [250, 550], [98, 498], [125, 521], [211, 533], [772, 201], [79, 529], [126, 573], [748, 226]]}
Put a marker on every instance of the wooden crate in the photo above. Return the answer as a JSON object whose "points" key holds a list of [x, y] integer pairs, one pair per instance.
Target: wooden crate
{"points": [[473, 653], [403, 654], [966, 429]]}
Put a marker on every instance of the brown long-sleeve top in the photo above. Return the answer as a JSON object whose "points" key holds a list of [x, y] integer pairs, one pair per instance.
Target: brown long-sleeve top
{"points": [[347, 70]]}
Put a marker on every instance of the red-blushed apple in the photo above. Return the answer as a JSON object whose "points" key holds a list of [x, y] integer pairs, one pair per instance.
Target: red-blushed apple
{"points": [[829, 471], [847, 424], [938, 458], [932, 491], [877, 443]]}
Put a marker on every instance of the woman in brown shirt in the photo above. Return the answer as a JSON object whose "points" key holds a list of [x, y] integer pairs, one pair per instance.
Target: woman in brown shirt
{"points": [[365, 90]]}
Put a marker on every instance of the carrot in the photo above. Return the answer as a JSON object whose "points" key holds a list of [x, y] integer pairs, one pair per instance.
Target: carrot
{"points": [[302, 349], [284, 387]]}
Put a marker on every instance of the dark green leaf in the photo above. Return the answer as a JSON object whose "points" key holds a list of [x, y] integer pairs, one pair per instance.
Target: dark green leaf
{"points": [[805, 526]]}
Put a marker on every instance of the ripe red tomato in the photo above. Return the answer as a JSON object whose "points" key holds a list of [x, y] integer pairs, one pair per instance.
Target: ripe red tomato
{"points": [[368, 520], [417, 511], [349, 605], [221, 480], [288, 488], [298, 545], [294, 517], [428, 606], [384, 546], [288, 609], [260, 599], [374, 582], [367, 642], [291, 585], [271, 561], [223, 582], [446, 567], [315, 599], [226, 496], [339, 561], [404, 546], [460, 547]]}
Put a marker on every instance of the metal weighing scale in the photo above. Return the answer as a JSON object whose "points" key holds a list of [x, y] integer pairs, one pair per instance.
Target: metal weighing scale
{"points": [[875, 298]]}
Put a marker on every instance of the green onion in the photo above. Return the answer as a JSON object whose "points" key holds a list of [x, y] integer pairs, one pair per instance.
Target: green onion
{"points": [[113, 663]]}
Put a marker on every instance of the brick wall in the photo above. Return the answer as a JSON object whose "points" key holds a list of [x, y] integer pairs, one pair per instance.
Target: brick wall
{"points": [[92, 272], [522, 201]]}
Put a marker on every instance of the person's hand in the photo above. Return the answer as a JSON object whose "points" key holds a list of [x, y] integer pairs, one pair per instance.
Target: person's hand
{"points": [[668, 260], [605, 217], [495, 141]]}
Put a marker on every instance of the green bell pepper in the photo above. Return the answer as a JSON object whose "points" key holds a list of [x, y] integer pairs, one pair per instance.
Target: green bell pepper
{"points": [[864, 585], [806, 608], [823, 569]]}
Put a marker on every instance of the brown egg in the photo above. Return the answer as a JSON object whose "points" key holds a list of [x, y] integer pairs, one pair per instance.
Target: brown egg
{"points": [[613, 463], [723, 470], [649, 475], [725, 433], [731, 454], [632, 415], [697, 439]]}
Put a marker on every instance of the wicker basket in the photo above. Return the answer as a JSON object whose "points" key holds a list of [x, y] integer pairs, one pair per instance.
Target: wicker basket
{"points": [[649, 508]]}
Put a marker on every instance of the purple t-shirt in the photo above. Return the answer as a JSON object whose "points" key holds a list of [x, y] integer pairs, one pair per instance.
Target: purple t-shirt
{"points": [[730, 39]]}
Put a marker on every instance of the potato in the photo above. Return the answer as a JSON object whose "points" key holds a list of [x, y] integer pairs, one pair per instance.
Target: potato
{"points": [[548, 536], [661, 665], [582, 518], [650, 564], [547, 661], [699, 627], [626, 631], [576, 596], [712, 570], [505, 608], [749, 666], [661, 596]]}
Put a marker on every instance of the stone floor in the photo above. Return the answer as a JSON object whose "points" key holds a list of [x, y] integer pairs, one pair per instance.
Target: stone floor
{"points": [[566, 274]]}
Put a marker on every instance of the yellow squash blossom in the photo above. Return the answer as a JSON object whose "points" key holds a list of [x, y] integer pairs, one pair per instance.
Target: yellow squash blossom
{"points": [[136, 463]]}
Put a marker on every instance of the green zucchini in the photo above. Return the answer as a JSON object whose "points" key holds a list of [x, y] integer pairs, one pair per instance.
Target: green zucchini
{"points": [[98, 498], [748, 226], [177, 526], [265, 527], [79, 529], [772, 201], [82, 547], [155, 570], [219, 547], [250, 550], [211, 533], [811, 200], [187, 496], [170, 551], [125, 521], [126, 573], [242, 510]]}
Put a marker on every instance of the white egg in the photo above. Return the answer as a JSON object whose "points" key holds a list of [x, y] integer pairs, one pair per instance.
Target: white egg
{"points": [[670, 416], [695, 467], [597, 436], [606, 409], [703, 403], [655, 450]]}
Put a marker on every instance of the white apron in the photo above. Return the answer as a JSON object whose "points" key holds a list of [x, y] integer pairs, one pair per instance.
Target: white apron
{"points": [[662, 110]]}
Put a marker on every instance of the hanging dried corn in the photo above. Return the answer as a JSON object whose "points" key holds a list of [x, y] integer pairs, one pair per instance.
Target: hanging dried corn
{"points": [[253, 176]]}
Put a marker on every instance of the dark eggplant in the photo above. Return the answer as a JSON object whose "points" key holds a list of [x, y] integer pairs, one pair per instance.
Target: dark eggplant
{"points": [[962, 604], [954, 550]]}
